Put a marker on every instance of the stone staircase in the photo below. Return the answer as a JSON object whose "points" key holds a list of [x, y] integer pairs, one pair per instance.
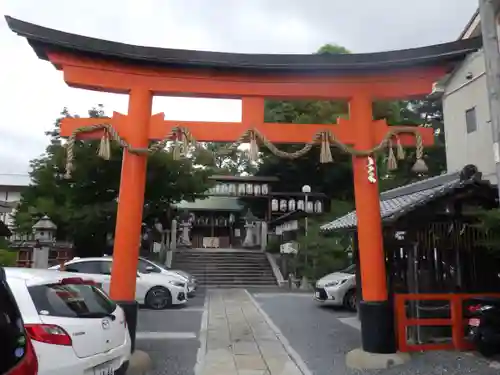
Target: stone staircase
{"points": [[226, 268]]}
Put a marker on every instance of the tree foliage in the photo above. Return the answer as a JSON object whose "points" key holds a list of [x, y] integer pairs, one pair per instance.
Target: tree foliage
{"points": [[236, 162], [84, 207]]}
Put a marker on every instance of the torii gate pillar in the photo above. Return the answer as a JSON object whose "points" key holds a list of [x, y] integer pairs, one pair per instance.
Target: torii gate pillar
{"points": [[376, 313], [131, 205]]}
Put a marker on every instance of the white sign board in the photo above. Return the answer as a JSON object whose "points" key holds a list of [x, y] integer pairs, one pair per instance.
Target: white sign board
{"points": [[289, 248]]}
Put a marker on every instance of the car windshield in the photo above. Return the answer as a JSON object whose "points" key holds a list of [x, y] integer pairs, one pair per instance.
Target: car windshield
{"points": [[13, 337], [158, 264], [71, 301], [350, 270]]}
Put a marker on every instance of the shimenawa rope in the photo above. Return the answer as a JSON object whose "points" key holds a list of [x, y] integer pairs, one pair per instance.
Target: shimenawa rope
{"points": [[183, 139]]}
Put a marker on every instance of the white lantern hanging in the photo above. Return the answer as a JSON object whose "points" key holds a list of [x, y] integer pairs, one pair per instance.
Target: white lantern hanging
{"points": [[300, 205], [274, 205], [283, 205], [265, 189], [318, 207], [291, 205]]}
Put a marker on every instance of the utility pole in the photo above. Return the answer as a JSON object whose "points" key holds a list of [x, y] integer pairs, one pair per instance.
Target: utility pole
{"points": [[488, 14]]}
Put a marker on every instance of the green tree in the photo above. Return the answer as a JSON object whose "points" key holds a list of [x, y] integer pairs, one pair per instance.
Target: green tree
{"points": [[236, 162], [332, 49], [84, 207]]}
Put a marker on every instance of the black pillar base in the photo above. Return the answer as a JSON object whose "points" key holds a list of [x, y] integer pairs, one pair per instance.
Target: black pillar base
{"points": [[377, 327], [131, 310]]}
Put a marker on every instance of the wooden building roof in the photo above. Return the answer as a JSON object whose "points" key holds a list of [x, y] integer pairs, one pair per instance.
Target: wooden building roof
{"points": [[399, 202]]}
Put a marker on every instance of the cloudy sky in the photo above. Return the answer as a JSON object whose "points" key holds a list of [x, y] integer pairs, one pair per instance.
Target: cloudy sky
{"points": [[32, 92]]}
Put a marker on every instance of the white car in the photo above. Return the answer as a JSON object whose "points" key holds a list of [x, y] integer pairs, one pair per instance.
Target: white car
{"points": [[156, 291], [338, 289], [74, 327], [149, 266]]}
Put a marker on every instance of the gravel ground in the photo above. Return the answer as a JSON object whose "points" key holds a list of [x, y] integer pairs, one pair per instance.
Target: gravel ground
{"points": [[322, 341], [172, 357]]}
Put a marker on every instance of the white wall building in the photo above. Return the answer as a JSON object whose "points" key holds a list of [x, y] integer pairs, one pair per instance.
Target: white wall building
{"points": [[466, 112], [11, 186]]}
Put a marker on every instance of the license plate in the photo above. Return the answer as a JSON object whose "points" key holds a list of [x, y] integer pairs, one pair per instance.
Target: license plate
{"points": [[104, 369], [316, 294], [474, 322]]}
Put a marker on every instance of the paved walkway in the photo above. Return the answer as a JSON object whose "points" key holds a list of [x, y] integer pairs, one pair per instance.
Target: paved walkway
{"points": [[237, 340]]}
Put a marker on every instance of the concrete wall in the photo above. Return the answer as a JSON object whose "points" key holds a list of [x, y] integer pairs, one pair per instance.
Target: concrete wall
{"points": [[467, 89]]}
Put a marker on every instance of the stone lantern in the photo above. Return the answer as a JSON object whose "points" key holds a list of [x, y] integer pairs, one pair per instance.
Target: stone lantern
{"points": [[44, 231], [186, 222]]}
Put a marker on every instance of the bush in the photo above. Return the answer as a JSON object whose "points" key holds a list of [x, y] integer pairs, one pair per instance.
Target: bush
{"points": [[8, 258], [273, 245]]}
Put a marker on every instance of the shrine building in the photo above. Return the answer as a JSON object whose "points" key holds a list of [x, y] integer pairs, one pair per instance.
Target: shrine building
{"points": [[218, 218]]}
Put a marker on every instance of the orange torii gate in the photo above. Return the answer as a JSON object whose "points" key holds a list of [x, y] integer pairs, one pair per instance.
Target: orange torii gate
{"points": [[142, 72]]}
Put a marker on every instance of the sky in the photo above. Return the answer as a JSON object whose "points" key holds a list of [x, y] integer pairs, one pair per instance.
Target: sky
{"points": [[32, 92]]}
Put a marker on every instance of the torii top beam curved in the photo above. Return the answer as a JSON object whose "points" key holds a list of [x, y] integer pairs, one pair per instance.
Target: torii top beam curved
{"points": [[96, 64], [44, 39]]}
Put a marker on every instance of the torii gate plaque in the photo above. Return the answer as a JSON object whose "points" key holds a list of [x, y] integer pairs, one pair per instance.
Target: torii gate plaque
{"points": [[142, 72]]}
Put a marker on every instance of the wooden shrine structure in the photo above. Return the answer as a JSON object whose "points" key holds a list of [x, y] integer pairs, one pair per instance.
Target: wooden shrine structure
{"points": [[436, 255], [143, 72]]}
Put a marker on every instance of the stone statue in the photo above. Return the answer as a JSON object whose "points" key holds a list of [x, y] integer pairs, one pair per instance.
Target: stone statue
{"points": [[250, 224]]}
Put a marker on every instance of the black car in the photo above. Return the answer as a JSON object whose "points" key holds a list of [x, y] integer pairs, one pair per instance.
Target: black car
{"points": [[17, 356]]}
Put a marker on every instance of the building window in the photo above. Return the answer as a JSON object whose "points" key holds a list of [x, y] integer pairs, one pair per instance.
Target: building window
{"points": [[470, 120]]}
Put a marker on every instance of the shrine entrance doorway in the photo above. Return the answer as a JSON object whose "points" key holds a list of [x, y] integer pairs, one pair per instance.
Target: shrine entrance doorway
{"points": [[142, 72]]}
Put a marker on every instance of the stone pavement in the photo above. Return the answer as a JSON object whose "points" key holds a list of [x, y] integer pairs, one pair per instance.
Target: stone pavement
{"points": [[239, 341]]}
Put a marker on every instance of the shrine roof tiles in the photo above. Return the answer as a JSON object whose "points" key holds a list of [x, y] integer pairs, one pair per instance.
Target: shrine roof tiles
{"points": [[398, 202], [44, 40]]}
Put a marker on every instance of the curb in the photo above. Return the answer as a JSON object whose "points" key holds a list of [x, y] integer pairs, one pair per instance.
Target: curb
{"points": [[139, 364]]}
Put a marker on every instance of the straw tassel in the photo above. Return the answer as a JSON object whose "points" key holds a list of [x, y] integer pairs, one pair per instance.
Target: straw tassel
{"points": [[400, 151], [325, 155], [392, 163], [177, 149], [105, 146], [253, 152], [184, 148], [419, 166]]}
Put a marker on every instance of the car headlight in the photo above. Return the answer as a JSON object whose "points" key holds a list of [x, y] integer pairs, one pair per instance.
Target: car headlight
{"points": [[177, 284], [335, 283]]}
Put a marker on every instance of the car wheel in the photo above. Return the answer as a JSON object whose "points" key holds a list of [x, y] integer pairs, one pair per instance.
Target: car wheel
{"points": [[350, 300], [158, 298]]}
